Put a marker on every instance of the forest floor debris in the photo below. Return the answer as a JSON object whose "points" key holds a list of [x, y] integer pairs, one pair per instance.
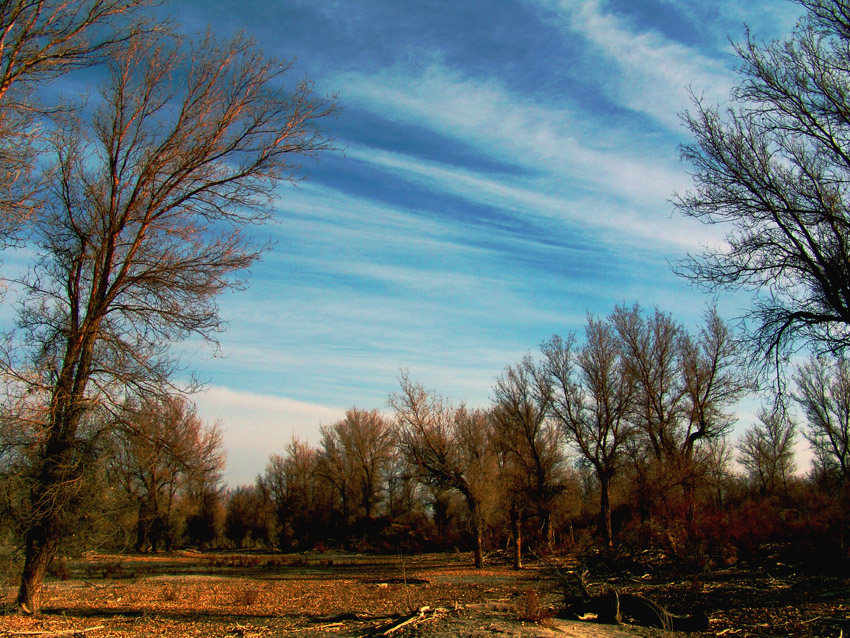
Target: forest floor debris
{"points": [[250, 595]]}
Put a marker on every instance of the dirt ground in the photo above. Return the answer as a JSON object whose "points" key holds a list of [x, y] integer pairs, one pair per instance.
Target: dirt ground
{"points": [[434, 596]]}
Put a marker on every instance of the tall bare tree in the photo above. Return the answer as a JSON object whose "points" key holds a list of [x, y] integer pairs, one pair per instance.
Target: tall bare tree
{"points": [[766, 450], [39, 41], [451, 448], [772, 169], [534, 458], [354, 457], [650, 347], [592, 402], [823, 392], [684, 385], [714, 380], [144, 227]]}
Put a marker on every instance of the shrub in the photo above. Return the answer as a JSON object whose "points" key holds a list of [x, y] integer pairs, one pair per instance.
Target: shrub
{"points": [[530, 609]]}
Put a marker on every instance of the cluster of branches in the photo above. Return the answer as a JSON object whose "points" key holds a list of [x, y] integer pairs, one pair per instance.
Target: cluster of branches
{"points": [[772, 168], [636, 417], [166, 466]]}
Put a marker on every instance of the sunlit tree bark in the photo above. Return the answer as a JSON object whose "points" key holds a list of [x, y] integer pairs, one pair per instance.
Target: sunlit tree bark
{"points": [[39, 41]]}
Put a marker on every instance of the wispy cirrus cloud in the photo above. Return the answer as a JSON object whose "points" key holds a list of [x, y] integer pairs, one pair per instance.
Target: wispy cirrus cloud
{"points": [[484, 114], [646, 72], [549, 197]]}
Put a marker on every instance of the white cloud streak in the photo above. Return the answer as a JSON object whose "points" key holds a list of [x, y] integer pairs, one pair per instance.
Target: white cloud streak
{"points": [[646, 72], [485, 115], [626, 224]]}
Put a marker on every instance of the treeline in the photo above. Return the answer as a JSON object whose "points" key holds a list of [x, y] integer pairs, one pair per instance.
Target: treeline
{"points": [[621, 439]]}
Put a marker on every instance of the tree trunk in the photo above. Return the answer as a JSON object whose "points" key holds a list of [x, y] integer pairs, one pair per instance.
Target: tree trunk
{"points": [[546, 531], [605, 511], [41, 544], [516, 535], [143, 527], [478, 531], [58, 476], [141, 535]]}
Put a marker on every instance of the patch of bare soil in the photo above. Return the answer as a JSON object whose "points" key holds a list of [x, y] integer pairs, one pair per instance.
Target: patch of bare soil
{"points": [[434, 596]]}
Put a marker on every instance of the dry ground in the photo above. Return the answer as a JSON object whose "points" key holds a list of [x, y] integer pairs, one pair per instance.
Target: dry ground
{"points": [[193, 594]]}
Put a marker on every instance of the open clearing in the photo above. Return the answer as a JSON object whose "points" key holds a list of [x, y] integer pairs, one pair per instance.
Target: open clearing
{"points": [[333, 594]]}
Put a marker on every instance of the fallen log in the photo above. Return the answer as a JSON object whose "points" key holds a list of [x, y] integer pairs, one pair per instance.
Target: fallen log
{"points": [[615, 607]]}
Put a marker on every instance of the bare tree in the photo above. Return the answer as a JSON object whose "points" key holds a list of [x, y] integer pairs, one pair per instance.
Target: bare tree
{"points": [[451, 448], [823, 391], [405, 504], [684, 385], [39, 41], [249, 518], [355, 454], [144, 227], [772, 168], [592, 402], [718, 469], [766, 450], [274, 484], [714, 380], [650, 347], [337, 467], [534, 458], [162, 450], [300, 497]]}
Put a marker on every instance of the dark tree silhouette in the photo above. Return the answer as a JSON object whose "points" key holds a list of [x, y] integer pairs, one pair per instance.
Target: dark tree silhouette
{"points": [[773, 170]]}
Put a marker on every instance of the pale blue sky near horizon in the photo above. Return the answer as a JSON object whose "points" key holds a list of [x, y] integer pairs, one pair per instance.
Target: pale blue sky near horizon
{"points": [[505, 167]]}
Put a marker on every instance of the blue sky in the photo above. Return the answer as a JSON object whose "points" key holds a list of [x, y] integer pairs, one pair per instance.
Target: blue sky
{"points": [[505, 168]]}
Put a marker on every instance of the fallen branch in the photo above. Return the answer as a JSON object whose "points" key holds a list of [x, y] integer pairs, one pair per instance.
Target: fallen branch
{"points": [[336, 618], [419, 615], [55, 632], [422, 614]]}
